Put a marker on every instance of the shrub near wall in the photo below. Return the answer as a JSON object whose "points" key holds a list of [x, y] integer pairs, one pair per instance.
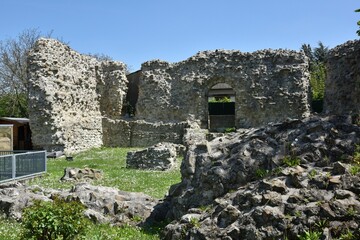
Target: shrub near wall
{"points": [[54, 220]]}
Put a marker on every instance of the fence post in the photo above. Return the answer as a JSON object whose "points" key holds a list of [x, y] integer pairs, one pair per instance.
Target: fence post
{"points": [[13, 166]]}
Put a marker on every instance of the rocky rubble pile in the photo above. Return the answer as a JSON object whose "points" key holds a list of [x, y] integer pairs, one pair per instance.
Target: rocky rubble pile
{"points": [[111, 205], [104, 204], [280, 181]]}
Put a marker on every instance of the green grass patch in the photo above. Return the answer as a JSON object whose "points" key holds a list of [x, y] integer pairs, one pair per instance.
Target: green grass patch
{"points": [[106, 232], [112, 161]]}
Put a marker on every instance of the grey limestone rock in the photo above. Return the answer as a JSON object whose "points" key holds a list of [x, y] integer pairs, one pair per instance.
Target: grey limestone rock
{"points": [[161, 156], [104, 204], [77, 174], [113, 205], [244, 188]]}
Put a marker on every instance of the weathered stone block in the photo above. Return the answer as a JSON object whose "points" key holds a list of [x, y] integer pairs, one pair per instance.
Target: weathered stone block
{"points": [[77, 174], [158, 157]]}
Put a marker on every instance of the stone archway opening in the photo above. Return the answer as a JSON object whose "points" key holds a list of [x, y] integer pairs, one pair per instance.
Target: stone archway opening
{"points": [[221, 108]]}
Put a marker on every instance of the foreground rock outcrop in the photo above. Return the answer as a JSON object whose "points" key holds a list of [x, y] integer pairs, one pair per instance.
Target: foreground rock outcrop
{"points": [[104, 204], [111, 205], [274, 182], [279, 181]]}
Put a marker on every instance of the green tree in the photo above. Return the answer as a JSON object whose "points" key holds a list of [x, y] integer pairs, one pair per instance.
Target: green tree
{"points": [[321, 53], [317, 60], [358, 23], [13, 76], [317, 81]]}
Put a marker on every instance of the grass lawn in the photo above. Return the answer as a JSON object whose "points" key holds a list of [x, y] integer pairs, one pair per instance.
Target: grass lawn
{"points": [[112, 161]]}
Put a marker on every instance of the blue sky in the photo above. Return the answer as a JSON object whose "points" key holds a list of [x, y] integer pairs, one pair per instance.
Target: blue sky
{"points": [[135, 31]]}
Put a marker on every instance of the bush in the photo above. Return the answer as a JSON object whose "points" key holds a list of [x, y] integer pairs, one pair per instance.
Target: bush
{"points": [[54, 220]]}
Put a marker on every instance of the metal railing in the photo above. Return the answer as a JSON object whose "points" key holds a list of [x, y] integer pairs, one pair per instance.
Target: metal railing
{"points": [[17, 165], [13, 152]]}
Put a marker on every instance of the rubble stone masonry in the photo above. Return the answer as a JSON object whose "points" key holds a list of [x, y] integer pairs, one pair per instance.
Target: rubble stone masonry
{"points": [[76, 101], [342, 86], [69, 94], [270, 86]]}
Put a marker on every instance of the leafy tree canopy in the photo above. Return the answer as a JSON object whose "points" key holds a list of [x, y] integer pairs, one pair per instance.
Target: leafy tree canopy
{"points": [[317, 58], [358, 23], [13, 76]]}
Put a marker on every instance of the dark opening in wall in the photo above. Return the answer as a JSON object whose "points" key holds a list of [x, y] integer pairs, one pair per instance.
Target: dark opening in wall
{"points": [[317, 105], [132, 95], [221, 108]]}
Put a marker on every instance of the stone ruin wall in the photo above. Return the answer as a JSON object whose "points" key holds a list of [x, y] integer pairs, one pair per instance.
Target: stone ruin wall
{"points": [[270, 85], [139, 133], [70, 94], [342, 91], [76, 101]]}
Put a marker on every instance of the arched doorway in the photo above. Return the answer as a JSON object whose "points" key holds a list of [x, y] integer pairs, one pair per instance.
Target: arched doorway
{"points": [[221, 108]]}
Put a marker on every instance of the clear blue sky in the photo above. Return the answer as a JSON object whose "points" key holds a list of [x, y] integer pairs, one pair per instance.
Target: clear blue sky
{"points": [[135, 31]]}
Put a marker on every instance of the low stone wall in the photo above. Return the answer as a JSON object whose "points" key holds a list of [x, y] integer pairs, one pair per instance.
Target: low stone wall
{"points": [[137, 133], [342, 86]]}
